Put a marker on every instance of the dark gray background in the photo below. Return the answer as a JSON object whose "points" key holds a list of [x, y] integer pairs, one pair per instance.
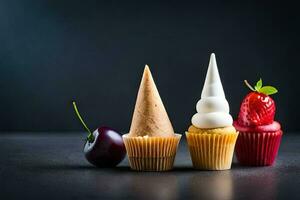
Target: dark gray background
{"points": [[55, 51]]}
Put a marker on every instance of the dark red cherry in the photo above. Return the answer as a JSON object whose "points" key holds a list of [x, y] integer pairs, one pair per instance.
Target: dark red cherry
{"points": [[107, 149], [104, 147]]}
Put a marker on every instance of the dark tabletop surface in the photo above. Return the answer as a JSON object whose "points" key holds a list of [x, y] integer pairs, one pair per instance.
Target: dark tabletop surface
{"points": [[52, 166]]}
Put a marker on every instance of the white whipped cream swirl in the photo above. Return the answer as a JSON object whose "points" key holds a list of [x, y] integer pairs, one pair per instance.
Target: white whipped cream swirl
{"points": [[212, 108]]}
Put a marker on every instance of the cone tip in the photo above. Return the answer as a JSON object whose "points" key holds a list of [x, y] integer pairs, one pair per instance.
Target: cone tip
{"points": [[212, 85], [147, 72], [146, 67], [213, 59]]}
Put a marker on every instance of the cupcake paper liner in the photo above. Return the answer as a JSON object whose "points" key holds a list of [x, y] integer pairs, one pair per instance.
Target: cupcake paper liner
{"points": [[257, 149], [211, 151], [151, 153]]}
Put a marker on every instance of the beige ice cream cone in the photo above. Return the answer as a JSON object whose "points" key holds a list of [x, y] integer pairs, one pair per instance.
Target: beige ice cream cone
{"points": [[151, 143], [150, 116]]}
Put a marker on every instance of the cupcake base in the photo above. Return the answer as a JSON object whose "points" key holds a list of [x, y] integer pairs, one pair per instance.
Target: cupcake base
{"points": [[257, 149], [151, 153], [211, 151]]}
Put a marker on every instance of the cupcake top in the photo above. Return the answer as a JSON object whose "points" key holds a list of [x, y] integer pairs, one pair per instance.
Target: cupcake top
{"points": [[222, 130], [212, 108], [150, 118]]}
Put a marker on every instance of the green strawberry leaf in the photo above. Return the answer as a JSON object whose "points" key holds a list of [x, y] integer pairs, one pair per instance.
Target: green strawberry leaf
{"points": [[268, 90], [258, 85]]}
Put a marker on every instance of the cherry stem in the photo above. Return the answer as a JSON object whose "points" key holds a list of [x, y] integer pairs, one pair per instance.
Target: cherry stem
{"points": [[249, 86], [90, 136]]}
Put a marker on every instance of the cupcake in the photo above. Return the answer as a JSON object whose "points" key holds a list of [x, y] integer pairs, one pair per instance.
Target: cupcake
{"points": [[260, 135], [211, 137], [151, 143]]}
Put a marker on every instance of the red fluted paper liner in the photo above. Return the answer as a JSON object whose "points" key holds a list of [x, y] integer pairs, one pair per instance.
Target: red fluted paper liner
{"points": [[211, 151], [151, 153], [257, 149]]}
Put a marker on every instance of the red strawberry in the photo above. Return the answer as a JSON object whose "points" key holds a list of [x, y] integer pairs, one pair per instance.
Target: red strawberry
{"points": [[258, 108]]}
